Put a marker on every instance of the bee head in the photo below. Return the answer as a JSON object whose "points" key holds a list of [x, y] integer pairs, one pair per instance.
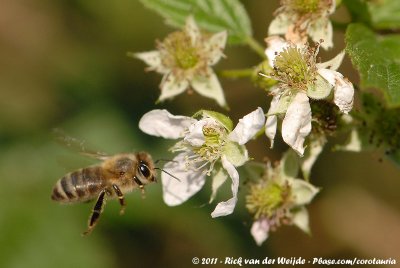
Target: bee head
{"points": [[145, 168]]}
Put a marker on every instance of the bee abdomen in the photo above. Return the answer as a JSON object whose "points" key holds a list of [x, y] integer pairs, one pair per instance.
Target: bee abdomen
{"points": [[78, 186]]}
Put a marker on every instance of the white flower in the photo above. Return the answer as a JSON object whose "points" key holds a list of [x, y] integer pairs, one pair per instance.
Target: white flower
{"points": [[279, 198], [209, 146], [298, 18], [300, 78], [185, 59]]}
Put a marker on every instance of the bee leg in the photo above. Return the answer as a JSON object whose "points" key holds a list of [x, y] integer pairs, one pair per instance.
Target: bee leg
{"points": [[120, 198], [97, 210], [141, 186]]}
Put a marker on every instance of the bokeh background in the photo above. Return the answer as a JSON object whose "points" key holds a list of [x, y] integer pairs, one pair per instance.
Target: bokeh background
{"points": [[64, 65]]}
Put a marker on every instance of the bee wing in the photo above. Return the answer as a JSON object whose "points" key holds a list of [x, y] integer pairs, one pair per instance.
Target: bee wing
{"points": [[77, 145]]}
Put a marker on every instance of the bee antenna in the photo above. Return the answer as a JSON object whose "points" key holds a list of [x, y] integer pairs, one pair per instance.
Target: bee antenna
{"points": [[166, 172], [165, 160]]}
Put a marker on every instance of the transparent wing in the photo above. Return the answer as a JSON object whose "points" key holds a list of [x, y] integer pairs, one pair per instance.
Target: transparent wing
{"points": [[77, 145]]}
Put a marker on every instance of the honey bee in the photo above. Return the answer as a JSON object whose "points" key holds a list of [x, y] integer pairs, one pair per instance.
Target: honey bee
{"points": [[113, 178]]}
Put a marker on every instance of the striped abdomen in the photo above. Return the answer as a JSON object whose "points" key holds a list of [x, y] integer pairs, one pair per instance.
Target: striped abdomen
{"points": [[79, 186]]}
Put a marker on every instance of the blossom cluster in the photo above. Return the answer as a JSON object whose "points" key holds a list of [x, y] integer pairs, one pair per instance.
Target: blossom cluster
{"points": [[209, 146]]}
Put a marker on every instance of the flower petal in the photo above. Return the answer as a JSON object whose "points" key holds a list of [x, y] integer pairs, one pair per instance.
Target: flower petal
{"points": [[227, 207], [332, 64], [321, 29], [191, 181], [259, 230], [343, 89], [344, 95], [153, 59], [297, 123], [248, 126], [215, 46], [171, 86], [300, 218], [280, 24], [272, 120], [209, 87], [195, 136], [218, 179], [302, 191], [192, 30], [161, 123], [275, 45]]}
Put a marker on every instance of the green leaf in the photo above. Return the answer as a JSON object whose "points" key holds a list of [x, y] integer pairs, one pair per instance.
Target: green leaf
{"points": [[358, 10], [211, 15], [377, 59], [380, 14], [385, 14]]}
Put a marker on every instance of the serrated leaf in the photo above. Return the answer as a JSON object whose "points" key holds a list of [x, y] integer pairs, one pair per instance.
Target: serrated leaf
{"points": [[211, 15], [377, 58]]}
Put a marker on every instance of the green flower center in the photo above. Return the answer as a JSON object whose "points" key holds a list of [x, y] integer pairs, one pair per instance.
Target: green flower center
{"points": [[179, 51], [265, 199], [305, 6], [212, 148], [295, 67], [208, 153]]}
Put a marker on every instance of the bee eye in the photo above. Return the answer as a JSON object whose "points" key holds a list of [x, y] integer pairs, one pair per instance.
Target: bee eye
{"points": [[144, 170]]}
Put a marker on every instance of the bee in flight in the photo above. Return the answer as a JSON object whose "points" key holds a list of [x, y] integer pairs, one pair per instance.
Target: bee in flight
{"points": [[113, 178]]}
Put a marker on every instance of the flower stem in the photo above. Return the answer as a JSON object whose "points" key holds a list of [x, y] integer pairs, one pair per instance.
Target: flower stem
{"points": [[237, 73], [253, 44]]}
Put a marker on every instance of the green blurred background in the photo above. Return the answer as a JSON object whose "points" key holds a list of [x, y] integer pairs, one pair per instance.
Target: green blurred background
{"points": [[63, 64]]}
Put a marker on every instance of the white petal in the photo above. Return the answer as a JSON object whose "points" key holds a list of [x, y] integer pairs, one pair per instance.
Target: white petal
{"points": [[209, 87], [280, 24], [343, 89], [301, 220], [272, 121], [192, 30], [259, 230], [248, 126], [332, 64], [322, 29], [332, 8], [170, 87], [153, 59], [215, 46], [302, 191], [191, 181], [354, 144], [227, 207], [344, 95], [297, 123], [195, 136], [311, 155], [161, 123], [275, 45], [218, 179]]}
